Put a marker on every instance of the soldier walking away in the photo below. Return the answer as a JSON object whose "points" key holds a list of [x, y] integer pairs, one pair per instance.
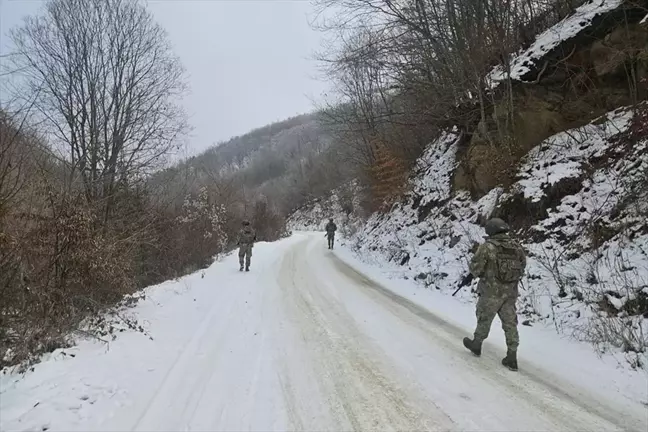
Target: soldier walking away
{"points": [[499, 264], [330, 232], [246, 240]]}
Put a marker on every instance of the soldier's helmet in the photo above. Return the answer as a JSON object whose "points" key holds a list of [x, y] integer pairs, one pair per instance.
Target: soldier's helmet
{"points": [[246, 222], [330, 219], [496, 226]]}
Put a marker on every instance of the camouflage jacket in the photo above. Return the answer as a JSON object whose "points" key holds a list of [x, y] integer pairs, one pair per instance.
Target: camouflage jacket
{"points": [[499, 264], [247, 236], [331, 228]]}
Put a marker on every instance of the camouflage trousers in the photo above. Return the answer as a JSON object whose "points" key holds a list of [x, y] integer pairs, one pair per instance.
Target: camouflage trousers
{"points": [[331, 240], [245, 254], [487, 308]]}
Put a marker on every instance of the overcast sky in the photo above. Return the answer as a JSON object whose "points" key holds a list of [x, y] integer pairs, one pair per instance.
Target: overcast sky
{"points": [[249, 62]]}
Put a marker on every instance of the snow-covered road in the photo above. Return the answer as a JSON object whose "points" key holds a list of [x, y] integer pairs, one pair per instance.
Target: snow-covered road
{"points": [[303, 342]]}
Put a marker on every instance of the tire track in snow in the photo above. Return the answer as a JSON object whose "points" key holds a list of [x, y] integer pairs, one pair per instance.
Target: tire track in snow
{"points": [[362, 396], [290, 401], [569, 407], [176, 383], [241, 392]]}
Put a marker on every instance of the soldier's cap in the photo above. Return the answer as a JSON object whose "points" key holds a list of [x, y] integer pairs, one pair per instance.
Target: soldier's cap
{"points": [[246, 222], [496, 226]]}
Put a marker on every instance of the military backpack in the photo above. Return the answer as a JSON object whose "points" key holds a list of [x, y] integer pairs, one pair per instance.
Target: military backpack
{"points": [[509, 263]]}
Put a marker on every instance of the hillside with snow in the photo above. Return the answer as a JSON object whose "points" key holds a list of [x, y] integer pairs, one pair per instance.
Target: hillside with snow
{"points": [[524, 63], [573, 188], [575, 205], [341, 204]]}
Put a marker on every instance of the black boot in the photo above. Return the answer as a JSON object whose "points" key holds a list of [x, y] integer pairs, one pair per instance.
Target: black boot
{"points": [[247, 268], [241, 268], [474, 347], [510, 361]]}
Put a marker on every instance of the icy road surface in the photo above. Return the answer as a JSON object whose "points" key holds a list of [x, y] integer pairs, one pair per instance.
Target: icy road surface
{"points": [[303, 342]]}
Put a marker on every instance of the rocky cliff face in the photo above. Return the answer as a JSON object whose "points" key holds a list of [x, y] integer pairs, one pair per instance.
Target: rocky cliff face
{"points": [[600, 66]]}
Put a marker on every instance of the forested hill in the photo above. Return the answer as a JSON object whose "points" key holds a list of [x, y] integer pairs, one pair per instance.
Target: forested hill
{"points": [[284, 164]]}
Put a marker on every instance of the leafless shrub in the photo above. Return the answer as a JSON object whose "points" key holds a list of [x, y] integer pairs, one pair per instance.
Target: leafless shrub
{"points": [[76, 224], [269, 224], [620, 306], [71, 269]]}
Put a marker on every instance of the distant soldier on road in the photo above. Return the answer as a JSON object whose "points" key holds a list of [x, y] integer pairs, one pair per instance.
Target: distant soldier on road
{"points": [[499, 263], [246, 240], [330, 232]]}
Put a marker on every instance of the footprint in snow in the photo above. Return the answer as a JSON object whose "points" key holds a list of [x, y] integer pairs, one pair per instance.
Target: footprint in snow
{"points": [[464, 396]]}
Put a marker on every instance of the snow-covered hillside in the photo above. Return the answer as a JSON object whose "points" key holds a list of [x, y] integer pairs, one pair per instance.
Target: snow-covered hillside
{"points": [[579, 205], [525, 61], [313, 216], [342, 205]]}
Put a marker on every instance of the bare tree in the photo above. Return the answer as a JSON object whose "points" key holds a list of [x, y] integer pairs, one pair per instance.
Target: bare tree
{"points": [[406, 70], [107, 84], [11, 161]]}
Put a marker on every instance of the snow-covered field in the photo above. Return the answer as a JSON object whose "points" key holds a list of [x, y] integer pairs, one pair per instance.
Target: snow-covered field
{"points": [[307, 341]]}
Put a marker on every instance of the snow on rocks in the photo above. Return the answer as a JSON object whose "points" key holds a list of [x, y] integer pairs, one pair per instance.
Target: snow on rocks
{"points": [[605, 167], [565, 154], [341, 205], [435, 168], [410, 238], [523, 62], [488, 203]]}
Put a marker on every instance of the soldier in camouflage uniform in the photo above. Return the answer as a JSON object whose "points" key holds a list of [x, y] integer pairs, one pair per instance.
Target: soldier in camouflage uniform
{"points": [[500, 264], [330, 233], [246, 240]]}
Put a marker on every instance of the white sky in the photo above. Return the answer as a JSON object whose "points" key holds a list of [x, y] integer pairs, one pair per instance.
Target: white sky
{"points": [[249, 62]]}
